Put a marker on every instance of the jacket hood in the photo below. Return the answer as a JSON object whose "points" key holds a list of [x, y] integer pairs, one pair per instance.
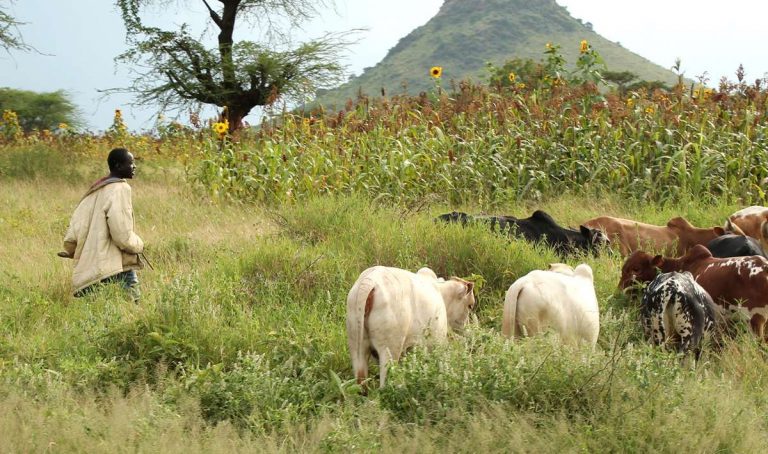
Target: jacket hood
{"points": [[100, 183]]}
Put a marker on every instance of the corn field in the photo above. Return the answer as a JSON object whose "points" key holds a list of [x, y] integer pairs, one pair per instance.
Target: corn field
{"points": [[488, 146]]}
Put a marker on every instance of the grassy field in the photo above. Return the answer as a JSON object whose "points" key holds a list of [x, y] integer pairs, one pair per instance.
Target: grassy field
{"points": [[239, 343]]}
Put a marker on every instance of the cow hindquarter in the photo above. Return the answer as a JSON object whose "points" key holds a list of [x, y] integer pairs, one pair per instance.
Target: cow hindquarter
{"points": [[681, 322], [580, 317], [534, 314], [739, 284], [547, 305], [388, 326], [652, 315]]}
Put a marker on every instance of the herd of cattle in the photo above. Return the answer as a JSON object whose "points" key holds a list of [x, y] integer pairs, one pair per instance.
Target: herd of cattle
{"points": [[701, 276]]}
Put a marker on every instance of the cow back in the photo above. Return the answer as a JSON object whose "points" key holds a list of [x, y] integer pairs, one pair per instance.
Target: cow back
{"points": [[749, 220], [734, 281], [731, 245], [630, 236], [689, 236]]}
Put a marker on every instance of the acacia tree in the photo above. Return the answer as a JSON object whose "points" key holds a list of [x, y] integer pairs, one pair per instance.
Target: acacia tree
{"points": [[40, 110], [175, 70], [620, 78]]}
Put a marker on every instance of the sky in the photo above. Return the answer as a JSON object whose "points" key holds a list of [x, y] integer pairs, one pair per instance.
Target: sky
{"points": [[76, 46]]}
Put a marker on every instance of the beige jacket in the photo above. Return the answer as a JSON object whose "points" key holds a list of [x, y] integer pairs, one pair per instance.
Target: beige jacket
{"points": [[100, 236]]}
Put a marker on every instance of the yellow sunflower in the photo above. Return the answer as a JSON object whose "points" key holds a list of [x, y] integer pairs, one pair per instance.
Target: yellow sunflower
{"points": [[221, 128], [512, 77], [436, 72], [584, 46]]}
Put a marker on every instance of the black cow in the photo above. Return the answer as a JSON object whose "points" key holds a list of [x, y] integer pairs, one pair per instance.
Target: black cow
{"points": [[539, 227], [730, 245], [678, 311]]}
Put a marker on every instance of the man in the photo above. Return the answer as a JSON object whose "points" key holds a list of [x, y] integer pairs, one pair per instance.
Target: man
{"points": [[100, 236]]}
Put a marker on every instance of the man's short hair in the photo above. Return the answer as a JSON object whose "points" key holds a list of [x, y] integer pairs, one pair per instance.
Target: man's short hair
{"points": [[116, 157]]}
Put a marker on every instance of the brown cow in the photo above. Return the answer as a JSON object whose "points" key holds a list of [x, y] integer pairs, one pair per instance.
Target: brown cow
{"points": [[675, 238], [751, 221], [735, 283]]}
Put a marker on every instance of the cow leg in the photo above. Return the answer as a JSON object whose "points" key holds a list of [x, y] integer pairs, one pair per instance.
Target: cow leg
{"points": [[386, 356], [528, 327], [657, 331], [684, 326], [757, 323], [387, 338]]}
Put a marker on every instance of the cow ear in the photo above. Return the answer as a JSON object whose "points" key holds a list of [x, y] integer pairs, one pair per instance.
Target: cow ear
{"points": [[719, 231], [657, 261], [470, 286]]}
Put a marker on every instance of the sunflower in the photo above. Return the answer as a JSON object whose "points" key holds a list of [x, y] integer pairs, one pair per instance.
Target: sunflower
{"points": [[436, 72], [584, 46], [512, 77], [221, 128]]}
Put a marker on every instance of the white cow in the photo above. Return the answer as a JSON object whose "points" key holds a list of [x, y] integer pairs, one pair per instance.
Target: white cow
{"points": [[561, 268], [390, 310], [561, 299]]}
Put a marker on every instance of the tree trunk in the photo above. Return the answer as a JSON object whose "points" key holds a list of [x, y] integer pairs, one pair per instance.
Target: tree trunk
{"points": [[226, 31], [234, 116]]}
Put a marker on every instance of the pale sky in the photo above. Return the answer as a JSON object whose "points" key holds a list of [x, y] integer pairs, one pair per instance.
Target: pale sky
{"points": [[77, 44]]}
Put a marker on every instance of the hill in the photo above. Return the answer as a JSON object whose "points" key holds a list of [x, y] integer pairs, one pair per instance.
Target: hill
{"points": [[464, 36]]}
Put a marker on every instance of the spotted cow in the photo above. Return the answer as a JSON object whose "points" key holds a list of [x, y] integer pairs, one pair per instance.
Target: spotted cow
{"points": [[751, 221], [677, 311], [739, 284]]}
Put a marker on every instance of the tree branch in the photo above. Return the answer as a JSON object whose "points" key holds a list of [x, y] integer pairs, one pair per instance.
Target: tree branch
{"points": [[214, 15]]}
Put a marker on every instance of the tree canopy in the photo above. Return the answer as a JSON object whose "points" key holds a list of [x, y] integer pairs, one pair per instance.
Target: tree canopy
{"points": [[175, 70], [40, 110]]}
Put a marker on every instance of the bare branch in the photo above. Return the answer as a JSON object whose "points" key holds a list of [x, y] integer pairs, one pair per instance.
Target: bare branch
{"points": [[214, 15]]}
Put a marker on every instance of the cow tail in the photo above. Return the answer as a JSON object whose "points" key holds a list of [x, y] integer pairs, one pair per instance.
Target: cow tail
{"points": [[363, 304], [508, 320]]}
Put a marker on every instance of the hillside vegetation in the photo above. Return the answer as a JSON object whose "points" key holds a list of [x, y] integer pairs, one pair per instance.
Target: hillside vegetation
{"points": [[464, 36], [239, 344]]}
